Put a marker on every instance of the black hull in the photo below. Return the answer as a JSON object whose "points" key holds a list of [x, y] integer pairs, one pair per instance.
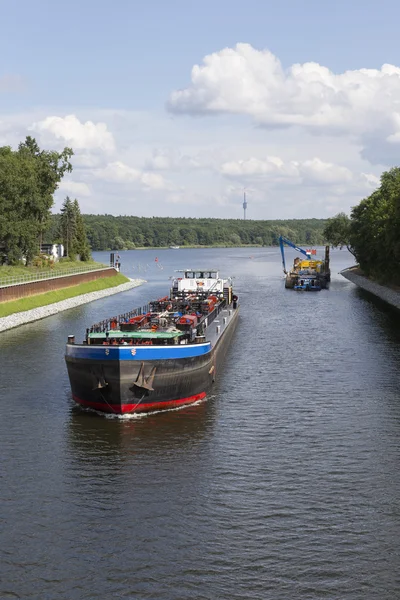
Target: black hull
{"points": [[135, 386]]}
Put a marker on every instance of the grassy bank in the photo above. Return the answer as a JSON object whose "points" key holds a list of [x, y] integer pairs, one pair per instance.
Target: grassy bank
{"points": [[15, 306], [56, 269]]}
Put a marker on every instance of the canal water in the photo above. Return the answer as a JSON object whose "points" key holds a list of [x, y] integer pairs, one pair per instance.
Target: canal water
{"points": [[283, 485]]}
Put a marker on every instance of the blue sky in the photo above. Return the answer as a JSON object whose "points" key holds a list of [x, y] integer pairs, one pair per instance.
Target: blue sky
{"points": [[113, 68]]}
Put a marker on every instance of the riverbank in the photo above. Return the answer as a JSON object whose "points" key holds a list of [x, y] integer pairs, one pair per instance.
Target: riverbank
{"points": [[21, 273], [385, 293], [28, 316], [44, 297]]}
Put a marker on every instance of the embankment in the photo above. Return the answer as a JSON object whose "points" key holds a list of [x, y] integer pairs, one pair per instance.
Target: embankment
{"points": [[45, 309], [387, 294], [57, 281]]}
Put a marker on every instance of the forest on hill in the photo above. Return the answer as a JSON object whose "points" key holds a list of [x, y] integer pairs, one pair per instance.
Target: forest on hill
{"points": [[107, 232]]}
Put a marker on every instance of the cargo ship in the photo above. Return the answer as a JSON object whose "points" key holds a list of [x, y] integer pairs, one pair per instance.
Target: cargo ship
{"points": [[160, 356]]}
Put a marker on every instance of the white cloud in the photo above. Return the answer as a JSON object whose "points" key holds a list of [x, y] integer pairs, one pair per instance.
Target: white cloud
{"points": [[370, 179], [119, 172], [318, 171], [170, 159], [243, 80], [258, 167], [163, 165], [160, 161], [274, 169], [77, 188], [81, 136]]}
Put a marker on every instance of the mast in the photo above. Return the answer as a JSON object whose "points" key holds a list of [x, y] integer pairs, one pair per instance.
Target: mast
{"points": [[244, 206]]}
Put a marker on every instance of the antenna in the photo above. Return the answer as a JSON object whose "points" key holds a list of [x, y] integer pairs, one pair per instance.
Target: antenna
{"points": [[244, 206]]}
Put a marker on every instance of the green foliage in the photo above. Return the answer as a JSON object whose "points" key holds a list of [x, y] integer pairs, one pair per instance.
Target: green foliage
{"points": [[29, 177], [72, 231], [68, 228], [106, 232], [337, 231], [375, 230], [81, 242], [43, 262]]}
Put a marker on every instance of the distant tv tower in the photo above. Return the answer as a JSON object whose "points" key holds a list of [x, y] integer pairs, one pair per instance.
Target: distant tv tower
{"points": [[244, 206]]}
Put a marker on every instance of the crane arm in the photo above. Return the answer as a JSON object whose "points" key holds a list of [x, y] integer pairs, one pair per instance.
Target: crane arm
{"points": [[282, 241], [282, 253]]}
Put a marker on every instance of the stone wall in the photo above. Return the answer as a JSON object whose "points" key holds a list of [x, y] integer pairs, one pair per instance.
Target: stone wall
{"points": [[387, 294], [22, 290]]}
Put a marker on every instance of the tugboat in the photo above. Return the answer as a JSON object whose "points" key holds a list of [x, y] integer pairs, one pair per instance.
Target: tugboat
{"points": [[163, 355], [310, 274]]}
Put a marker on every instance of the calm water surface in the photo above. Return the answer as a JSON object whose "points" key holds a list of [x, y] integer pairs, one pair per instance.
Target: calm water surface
{"points": [[283, 485]]}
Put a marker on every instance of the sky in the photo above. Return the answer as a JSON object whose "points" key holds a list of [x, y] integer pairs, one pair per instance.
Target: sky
{"points": [[175, 107]]}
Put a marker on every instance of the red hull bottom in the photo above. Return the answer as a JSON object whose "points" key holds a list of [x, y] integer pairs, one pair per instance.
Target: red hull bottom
{"points": [[140, 407]]}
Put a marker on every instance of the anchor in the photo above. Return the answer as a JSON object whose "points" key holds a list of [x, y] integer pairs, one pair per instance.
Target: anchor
{"points": [[212, 372], [143, 382], [101, 381]]}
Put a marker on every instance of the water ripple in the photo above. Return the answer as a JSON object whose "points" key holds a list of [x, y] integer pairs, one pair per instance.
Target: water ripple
{"points": [[284, 484]]}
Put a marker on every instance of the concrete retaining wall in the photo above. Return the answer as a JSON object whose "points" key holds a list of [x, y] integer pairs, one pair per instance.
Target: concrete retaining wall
{"points": [[386, 294], [22, 290]]}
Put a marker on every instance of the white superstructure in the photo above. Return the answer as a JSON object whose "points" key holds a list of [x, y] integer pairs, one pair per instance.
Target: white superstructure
{"points": [[206, 280]]}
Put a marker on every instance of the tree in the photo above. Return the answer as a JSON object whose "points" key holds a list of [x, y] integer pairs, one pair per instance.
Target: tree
{"points": [[119, 243], [68, 228], [50, 167], [73, 230], [375, 230], [337, 232], [143, 232], [81, 243], [28, 179]]}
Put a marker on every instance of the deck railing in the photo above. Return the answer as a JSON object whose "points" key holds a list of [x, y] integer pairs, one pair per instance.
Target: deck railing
{"points": [[9, 280]]}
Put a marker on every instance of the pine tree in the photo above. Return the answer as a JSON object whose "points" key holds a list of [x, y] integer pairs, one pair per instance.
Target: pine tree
{"points": [[68, 228], [81, 243]]}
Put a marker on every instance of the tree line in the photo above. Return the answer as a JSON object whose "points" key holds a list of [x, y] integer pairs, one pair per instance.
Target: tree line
{"points": [[107, 232], [29, 176], [372, 232]]}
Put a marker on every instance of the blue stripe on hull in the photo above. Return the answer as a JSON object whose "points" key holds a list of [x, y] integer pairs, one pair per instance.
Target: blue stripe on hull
{"points": [[136, 352]]}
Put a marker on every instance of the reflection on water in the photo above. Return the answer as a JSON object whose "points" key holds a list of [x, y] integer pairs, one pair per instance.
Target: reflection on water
{"points": [[383, 314], [94, 437]]}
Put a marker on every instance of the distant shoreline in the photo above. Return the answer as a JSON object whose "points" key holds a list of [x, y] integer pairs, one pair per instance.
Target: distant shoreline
{"points": [[196, 247], [199, 247]]}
